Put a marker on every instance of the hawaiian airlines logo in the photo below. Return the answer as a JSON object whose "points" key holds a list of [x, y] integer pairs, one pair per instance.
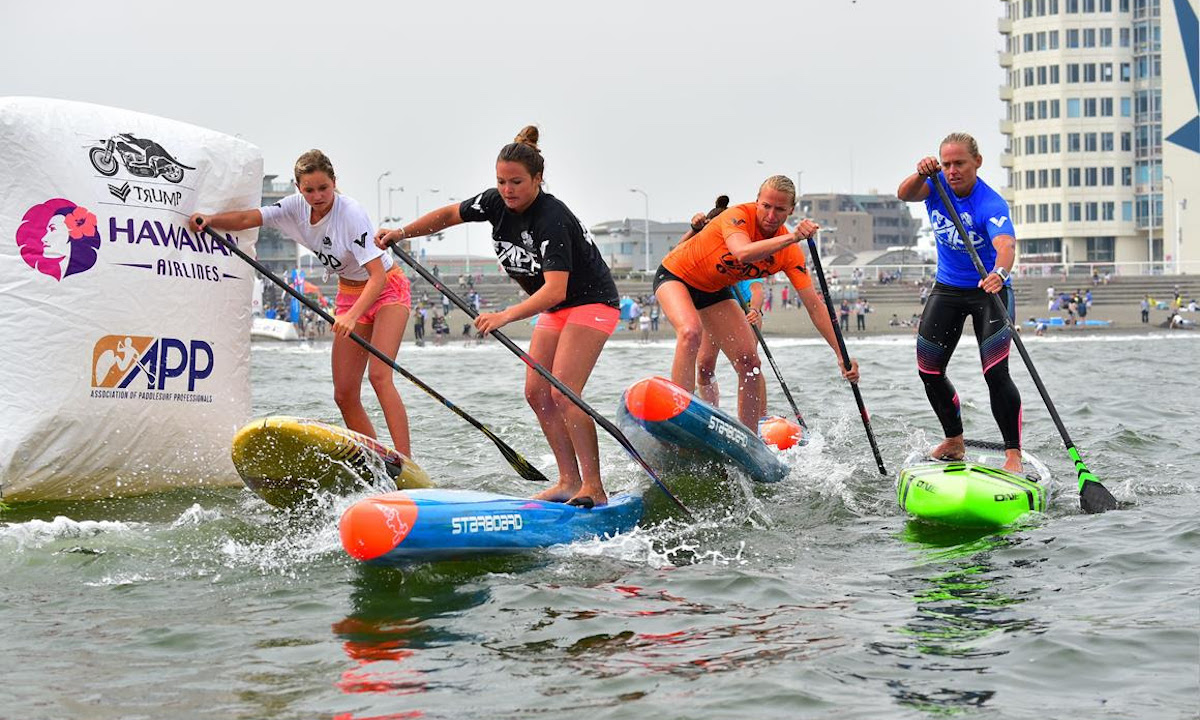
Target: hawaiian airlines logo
{"points": [[58, 238], [170, 368]]}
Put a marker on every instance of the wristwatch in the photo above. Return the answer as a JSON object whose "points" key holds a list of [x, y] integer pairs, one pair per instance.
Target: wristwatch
{"points": [[1002, 272]]}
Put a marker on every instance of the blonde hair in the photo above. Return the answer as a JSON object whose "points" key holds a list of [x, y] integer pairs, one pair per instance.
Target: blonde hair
{"points": [[524, 149], [313, 161], [961, 138], [782, 183]]}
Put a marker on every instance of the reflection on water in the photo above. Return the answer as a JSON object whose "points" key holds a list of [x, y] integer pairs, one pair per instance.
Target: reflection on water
{"points": [[961, 601]]}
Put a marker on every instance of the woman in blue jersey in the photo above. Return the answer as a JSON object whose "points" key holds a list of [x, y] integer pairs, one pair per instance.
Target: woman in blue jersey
{"points": [[959, 292]]}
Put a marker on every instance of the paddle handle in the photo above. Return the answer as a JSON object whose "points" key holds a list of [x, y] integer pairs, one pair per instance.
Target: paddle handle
{"points": [[841, 343]]}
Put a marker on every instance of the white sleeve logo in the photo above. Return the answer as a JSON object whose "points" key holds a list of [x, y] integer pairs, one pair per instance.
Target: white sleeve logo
{"points": [[999, 221]]}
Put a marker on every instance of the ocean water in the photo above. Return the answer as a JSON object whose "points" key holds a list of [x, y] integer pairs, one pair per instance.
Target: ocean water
{"points": [[815, 598]]}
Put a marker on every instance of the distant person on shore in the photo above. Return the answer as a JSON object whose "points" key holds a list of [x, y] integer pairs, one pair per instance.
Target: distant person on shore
{"points": [[860, 315], [1145, 308], [750, 292], [959, 292], [844, 315], [746, 241], [373, 297], [548, 252]]}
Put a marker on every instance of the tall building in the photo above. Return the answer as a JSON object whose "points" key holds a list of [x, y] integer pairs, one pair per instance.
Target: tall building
{"points": [[860, 223], [1087, 82]]}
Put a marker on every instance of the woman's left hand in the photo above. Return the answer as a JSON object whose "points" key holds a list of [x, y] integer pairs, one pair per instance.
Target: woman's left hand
{"points": [[992, 283], [487, 322], [852, 373], [754, 317]]}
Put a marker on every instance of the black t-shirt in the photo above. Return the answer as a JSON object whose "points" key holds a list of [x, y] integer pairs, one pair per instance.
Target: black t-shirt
{"points": [[547, 236]]}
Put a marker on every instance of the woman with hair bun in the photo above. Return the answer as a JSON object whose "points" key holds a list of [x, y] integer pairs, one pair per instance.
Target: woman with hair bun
{"points": [[550, 254], [373, 297]]}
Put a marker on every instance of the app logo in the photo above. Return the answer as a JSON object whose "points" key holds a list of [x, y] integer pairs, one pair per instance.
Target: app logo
{"points": [[58, 238], [168, 365]]}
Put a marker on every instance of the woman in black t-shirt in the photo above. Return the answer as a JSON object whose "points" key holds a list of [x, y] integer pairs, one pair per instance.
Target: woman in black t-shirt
{"points": [[550, 254]]}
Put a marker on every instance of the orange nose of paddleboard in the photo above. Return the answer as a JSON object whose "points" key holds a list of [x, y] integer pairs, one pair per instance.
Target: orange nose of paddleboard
{"points": [[780, 432], [656, 399], [374, 527]]}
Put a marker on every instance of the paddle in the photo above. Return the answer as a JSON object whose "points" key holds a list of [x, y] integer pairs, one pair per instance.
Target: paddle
{"points": [[1093, 496], [520, 464], [837, 333], [537, 367], [745, 303]]}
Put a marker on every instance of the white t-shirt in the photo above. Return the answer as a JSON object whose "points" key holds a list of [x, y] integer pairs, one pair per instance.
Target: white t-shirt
{"points": [[343, 240]]}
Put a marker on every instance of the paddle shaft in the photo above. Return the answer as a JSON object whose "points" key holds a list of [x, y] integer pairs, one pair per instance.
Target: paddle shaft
{"points": [[841, 343], [745, 303], [1085, 475], [540, 370], [520, 464]]}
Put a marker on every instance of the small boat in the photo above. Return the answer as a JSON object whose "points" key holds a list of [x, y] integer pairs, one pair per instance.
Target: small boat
{"points": [[974, 492], [434, 524], [288, 460], [262, 328]]}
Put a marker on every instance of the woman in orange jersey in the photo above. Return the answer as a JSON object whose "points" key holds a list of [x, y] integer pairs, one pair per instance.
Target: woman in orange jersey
{"points": [[746, 241]]}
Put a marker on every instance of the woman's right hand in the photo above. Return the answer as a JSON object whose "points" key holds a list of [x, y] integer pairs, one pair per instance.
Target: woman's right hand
{"points": [[384, 239], [197, 222], [928, 166]]}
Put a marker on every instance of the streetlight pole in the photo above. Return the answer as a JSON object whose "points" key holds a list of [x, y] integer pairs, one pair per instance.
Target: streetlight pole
{"points": [[646, 226], [379, 193], [1171, 180], [799, 175]]}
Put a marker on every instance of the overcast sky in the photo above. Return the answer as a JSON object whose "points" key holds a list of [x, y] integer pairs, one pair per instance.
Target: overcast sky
{"points": [[685, 100]]}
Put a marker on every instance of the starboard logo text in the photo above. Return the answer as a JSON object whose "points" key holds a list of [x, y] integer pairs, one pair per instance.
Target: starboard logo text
{"points": [[149, 368]]}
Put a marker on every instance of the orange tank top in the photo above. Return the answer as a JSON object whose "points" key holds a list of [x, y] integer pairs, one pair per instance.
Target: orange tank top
{"points": [[705, 262]]}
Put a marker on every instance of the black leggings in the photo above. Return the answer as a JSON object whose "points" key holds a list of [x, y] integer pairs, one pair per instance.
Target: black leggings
{"points": [[941, 327]]}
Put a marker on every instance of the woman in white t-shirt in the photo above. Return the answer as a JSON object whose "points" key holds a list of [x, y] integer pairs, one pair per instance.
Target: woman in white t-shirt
{"points": [[373, 296]]}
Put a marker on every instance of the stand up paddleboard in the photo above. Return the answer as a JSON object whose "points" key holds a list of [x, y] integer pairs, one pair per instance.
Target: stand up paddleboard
{"points": [[974, 492], [286, 460], [418, 525], [662, 418]]}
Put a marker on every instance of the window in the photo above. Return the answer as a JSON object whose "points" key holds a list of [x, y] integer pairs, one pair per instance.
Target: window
{"points": [[1041, 75], [1126, 177], [1101, 249], [1028, 77], [1089, 142], [1056, 177], [1055, 143], [1126, 106], [1072, 38], [1073, 73], [1124, 5], [1107, 177], [1105, 37], [1089, 6], [1090, 177], [1029, 108], [1056, 212], [1092, 211], [1030, 213], [1027, 9], [1089, 37], [1043, 178], [1029, 145], [1044, 212], [1073, 142], [1043, 109], [1053, 10], [1126, 73], [1089, 107], [1053, 74], [1106, 107], [1053, 39], [1029, 177], [1072, 107], [1125, 35], [1105, 6], [1074, 177], [1106, 142], [1040, 39], [1043, 144], [1072, 6], [1127, 211], [1126, 142], [1074, 210], [1106, 70], [1027, 39], [1089, 72]]}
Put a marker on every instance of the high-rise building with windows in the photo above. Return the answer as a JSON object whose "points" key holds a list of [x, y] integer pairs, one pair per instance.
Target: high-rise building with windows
{"points": [[1087, 159]]}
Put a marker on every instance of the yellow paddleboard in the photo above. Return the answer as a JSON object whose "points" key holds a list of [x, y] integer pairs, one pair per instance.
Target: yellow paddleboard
{"points": [[286, 460]]}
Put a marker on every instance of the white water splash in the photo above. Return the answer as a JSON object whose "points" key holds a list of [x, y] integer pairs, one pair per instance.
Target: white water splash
{"points": [[38, 533]]}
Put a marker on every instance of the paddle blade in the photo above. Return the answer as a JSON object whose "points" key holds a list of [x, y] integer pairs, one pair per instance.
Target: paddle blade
{"points": [[520, 464], [1093, 496]]}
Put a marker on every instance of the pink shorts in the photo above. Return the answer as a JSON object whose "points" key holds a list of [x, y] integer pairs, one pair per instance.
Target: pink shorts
{"points": [[396, 291], [597, 315]]}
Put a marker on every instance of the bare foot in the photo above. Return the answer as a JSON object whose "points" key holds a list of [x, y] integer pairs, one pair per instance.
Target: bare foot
{"points": [[595, 491], [562, 492], [950, 449], [1012, 462]]}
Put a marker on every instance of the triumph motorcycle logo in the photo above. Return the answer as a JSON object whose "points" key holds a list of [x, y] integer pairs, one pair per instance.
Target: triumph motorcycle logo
{"points": [[120, 192], [141, 157]]}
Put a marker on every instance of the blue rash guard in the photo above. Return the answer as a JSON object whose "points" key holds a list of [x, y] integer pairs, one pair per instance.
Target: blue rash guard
{"points": [[985, 216]]}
